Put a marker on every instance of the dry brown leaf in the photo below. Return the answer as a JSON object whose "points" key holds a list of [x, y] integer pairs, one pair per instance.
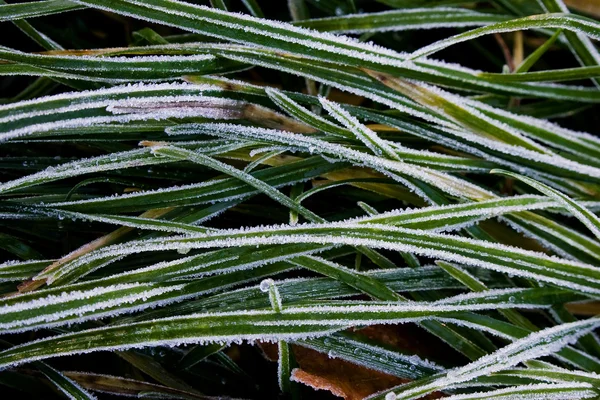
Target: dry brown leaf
{"points": [[317, 382], [341, 378], [353, 382]]}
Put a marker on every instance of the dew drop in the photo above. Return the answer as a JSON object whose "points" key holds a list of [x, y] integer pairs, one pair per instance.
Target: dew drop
{"points": [[265, 285]]}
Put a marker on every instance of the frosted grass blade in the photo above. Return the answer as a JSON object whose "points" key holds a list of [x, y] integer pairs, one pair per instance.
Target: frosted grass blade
{"points": [[495, 134], [292, 322], [406, 19], [13, 12], [571, 22], [21, 270], [285, 37], [102, 298], [35, 35], [552, 75], [533, 346], [353, 348], [364, 134], [111, 162], [581, 46], [204, 192], [588, 218], [576, 276], [117, 69], [183, 154], [362, 282], [67, 386], [445, 182], [304, 115], [540, 391]]}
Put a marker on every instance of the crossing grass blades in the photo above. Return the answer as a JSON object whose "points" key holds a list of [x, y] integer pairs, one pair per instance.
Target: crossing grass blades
{"points": [[388, 199]]}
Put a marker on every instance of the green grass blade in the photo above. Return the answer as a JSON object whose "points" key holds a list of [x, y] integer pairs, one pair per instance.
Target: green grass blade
{"points": [[580, 45], [68, 387], [416, 18], [573, 275], [553, 75], [291, 323], [17, 11], [541, 390], [534, 346], [285, 37], [537, 54], [588, 218], [182, 154], [569, 22]]}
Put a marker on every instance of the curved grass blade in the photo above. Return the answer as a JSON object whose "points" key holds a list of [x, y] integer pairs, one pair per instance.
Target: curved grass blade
{"points": [[541, 371], [400, 20], [533, 346], [295, 40], [357, 350], [118, 69], [78, 303], [111, 162], [488, 128], [364, 283], [475, 285], [552, 75], [445, 182], [21, 270], [578, 277], [304, 115], [581, 46], [205, 192], [540, 391], [112, 296], [14, 12], [437, 218], [291, 323], [588, 218], [570, 22], [364, 134], [537, 53], [68, 387], [129, 387], [183, 154]]}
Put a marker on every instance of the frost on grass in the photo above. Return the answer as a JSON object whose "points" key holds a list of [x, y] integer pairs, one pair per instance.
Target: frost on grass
{"points": [[207, 287], [540, 391], [86, 99], [373, 357], [511, 260], [535, 345], [392, 168], [45, 113], [364, 134], [406, 19], [575, 23], [41, 310], [294, 322]]}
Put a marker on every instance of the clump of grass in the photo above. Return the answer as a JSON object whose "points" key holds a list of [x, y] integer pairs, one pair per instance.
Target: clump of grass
{"points": [[239, 179]]}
